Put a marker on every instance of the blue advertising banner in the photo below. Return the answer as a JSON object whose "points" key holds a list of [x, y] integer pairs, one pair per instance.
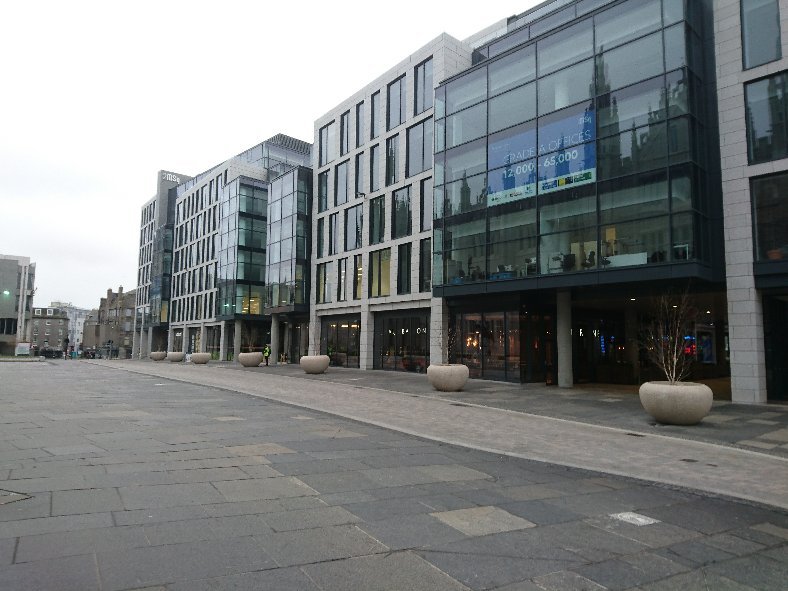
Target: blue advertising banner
{"points": [[510, 146], [571, 167], [513, 182]]}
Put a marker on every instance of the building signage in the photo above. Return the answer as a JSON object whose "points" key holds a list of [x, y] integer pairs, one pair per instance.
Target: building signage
{"points": [[516, 181], [168, 176], [570, 167]]}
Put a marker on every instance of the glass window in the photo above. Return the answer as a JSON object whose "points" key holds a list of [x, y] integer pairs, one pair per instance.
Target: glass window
{"points": [[635, 150], [374, 116], [341, 280], [566, 128], [425, 264], [566, 87], [400, 213], [567, 210], [465, 160], [678, 93], [550, 22], [374, 164], [340, 183], [392, 160], [423, 87], [566, 47], [513, 70], [631, 63], [466, 91], [513, 107], [333, 237], [419, 156], [395, 110], [466, 125], [357, 276], [683, 189], [425, 197], [633, 106], [377, 217], [327, 139], [508, 42], [359, 184], [675, 47], [344, 133], [323, 292], [467, 194], [767, 113], [353, 227], [380, 273], [679, 140], [403, 268], [760, 32], [625, 22], [672, 11], [633, 197], [634, 243], [322, 191], [770, 213], [360, 124]]}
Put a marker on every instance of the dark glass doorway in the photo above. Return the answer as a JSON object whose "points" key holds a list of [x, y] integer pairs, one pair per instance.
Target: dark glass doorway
{"points": [[775, 319]]}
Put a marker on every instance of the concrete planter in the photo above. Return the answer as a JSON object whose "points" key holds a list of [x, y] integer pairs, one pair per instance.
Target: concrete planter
{"points": [[175, 356], [314, 363], [158, 355], [250, 359], [682, 403], [448, 377], [201, 358]]}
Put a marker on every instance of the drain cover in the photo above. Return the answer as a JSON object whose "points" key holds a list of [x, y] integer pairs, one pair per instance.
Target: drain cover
{"points": [[634, 518], [9, 496]]}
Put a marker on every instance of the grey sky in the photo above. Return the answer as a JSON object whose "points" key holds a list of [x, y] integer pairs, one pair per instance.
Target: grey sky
{"points": [[98, 96]]}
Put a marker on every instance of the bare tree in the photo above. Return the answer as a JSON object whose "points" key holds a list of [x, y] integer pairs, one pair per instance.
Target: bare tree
{"points": [[664, 337]]}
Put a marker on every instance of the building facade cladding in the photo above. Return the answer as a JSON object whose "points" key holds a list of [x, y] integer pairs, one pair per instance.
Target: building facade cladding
{"points": [[17, 286], [573, 167], [369, 178], [219, 246], [751, 40], [49, 329], [154, 265]]}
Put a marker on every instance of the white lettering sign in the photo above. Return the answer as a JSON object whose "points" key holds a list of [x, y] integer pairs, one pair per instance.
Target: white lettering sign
{"points": [[168, 176]]}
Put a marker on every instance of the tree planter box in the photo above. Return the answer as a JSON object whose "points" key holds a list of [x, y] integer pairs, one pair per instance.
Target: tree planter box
{"points": [[315, 363], [175, 356], [250, 359], [448, 377], [201, 358], [682, 403], [158, 355]]}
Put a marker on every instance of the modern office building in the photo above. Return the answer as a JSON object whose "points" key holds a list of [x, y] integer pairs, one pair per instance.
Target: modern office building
{"points": [[17, 286], [372, 303], [577, 177], [50, 329], [751, 41], [219, 251], [154, 266]]}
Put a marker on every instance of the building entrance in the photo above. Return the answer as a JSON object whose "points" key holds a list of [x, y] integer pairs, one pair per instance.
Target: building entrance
{"points": [[775, 319]]}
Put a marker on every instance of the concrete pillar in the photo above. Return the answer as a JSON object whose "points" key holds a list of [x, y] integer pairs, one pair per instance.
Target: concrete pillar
{"points": [[185, 339], [170, 337], [223, 341], [563, 338], [203, 335], [632, 345], [275, 337], [314, 333], [237, 340], [288, 339], [748, 350], [136, 339], [367, 337], [305, 331], [439, 331], [149, 341]]}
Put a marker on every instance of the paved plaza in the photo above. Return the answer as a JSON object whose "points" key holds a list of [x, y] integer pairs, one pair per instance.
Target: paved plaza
{"points": [[136, 475]]}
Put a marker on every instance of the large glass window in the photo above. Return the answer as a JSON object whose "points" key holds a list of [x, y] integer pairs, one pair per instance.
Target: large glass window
{"points": [[630, 63], [324, 287], [392, 160], [359, 184], [333, 234], [637, 150], [340, 183], [341, 280], [403, 268], [633, 197], [380, 273], [465, 161], [466, 194], [566, 47], [419, 156], [633, 106], [320, 236], [513, 70], [322, 191], [625, 22], [466, 91], [344, 133], [353, 227], [377, 217], [425, 197], [760, 32], [327, 140], [770, 217], [395, 111], [400, 213], [513, 107], [360, 124], [466, 125], [357, 276], [566, 87], [374, 116], [423, 87], [767, 113], [425, 264], [374, 165]]}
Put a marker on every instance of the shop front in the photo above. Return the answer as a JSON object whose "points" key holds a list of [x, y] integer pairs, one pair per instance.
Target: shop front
{"points": [[402, 341], [340, 339]]}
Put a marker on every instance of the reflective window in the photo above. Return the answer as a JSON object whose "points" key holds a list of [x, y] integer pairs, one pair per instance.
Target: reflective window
{"points": [[380, 273], [374, 116], [466, 125], [327, 141], [631, 63], [374, 168], [423, 87], [354, 217], [633, 197], [760, 32], [465, 160], [770, 213], [395, 107], [403, 268], [676, 47], [466, 91], [419, 153], [513, 70], [320, 236], [512, 145], [566, 47], [344, 133], [333, 234], [635, 243], [322, 191], [767, 113], [513, 107], [392, 160], [626, 21], [563, 129], [466, 194], [635, 150], [357, 276], [566, 87], [425, 197], [341, 280], [359, 184], [632, 106], [340, 183], [425, 264], [359, 124], [400, 213], [377, 220]]}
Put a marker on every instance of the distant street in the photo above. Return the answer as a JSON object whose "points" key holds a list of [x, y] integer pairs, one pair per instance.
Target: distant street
{"points": [[118, 480]]}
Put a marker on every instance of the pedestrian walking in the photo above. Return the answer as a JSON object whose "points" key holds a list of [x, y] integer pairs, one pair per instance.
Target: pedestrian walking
{"points": [[266, 353]]}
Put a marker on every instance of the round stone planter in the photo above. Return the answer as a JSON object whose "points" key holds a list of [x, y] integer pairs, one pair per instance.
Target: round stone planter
{"points": [[314, 363], [201, 358], [252, 359], [682, 403], [448, 377], [175, 356], [158, 355]]}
